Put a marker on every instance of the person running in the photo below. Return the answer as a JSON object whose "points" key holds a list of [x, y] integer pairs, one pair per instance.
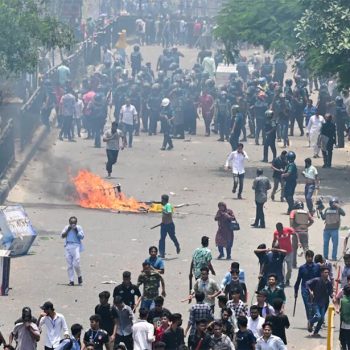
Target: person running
{"points": [[112, 138], [320, 290], [235, 161], [167, 226]]}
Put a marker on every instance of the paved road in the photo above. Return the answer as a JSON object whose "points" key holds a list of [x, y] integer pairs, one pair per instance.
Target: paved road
{"points": [[193, 171]]}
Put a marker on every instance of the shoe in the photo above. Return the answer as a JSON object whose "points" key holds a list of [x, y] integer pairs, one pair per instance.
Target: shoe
{"points": [[71, 283], [178, 250], [316, 335], [257, 143], [80, 280], [282, 199], [228, 258], [243, 140], [161, 256], [265, 161], [221, 139], [234, 190], [109, 175], [169, 148], [60, 138], [162, 149], [287, 284], [220, 257], [239, 196], [324, 166], [273, 197], [309, 327], [261, 226], [254, 225]]}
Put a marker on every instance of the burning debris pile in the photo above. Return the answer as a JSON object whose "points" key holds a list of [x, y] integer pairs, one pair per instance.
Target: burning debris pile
{"points": [[95, 192]]}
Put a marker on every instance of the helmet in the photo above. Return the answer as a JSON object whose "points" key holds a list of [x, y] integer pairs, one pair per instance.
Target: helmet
{"points": [[291, 156], [333, 201], [165, 102], [155, 86], [339, 100], [209, 83], [269, 113], [289, 82], [262, 81], [136, 48], [234, 109], [298, 204], [173, 66]]}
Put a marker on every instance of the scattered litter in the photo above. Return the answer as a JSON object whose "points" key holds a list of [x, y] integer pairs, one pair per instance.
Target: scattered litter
{"points": [[172, 193], [109, 282]]}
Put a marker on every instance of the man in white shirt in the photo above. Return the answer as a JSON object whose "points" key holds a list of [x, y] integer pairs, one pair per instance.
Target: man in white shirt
{"points": [[107, 57], [128, 118], [312, 182], [235, 161], [55, 324], [269, 341], [255, 321], [313, 130], [208, 65], [143, 332], [112, 138]]}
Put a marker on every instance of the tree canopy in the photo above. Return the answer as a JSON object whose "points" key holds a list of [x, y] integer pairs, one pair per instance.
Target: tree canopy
{"points": [[318, 30], [24, 29]]}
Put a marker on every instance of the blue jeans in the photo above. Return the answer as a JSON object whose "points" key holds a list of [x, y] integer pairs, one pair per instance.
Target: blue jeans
{"points": [[309, 191], [284, 131], [128, 129], [147, 304], [306, 299], [319, 311], [164, 230], [327, 235]]}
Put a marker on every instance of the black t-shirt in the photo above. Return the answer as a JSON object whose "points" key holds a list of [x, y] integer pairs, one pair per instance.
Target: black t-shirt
{"points": [[279, 325], [237, 284], [245, 340], [193, 342], [278, 163], [98, 338], [154, 316], [106, 317], [127, 293]]}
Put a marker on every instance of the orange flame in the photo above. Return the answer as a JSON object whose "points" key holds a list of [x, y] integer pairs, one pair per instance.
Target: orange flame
{"points": [[94, 192]]}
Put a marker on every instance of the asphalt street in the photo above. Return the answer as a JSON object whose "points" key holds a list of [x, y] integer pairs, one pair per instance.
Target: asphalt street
{"points": [[192, 173]]}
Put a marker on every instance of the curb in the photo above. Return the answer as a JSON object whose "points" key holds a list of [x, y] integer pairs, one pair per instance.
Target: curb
{"points": [[15, 172]]}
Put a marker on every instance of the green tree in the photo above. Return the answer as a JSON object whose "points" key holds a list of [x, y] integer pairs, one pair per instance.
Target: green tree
{"points": [[269, 23], [323, 36], [24, 28]]}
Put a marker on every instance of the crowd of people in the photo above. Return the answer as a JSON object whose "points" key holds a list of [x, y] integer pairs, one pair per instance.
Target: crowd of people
{"points": [[114, 104]]}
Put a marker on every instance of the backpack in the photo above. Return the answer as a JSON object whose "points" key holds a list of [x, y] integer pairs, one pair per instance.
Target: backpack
{"points": [[67, 346]]}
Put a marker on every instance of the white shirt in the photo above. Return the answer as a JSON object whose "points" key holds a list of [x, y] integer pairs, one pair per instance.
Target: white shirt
{"points": [[108, 57], [256, 326], [79, 107], [208, 65], [315, 124], [143, 335], [310, 172], [54, 329], [127, 114], [273, 343], [236, 161]]}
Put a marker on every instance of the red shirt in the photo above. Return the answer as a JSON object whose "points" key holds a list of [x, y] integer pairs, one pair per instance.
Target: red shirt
{"points": [[284, 239]]}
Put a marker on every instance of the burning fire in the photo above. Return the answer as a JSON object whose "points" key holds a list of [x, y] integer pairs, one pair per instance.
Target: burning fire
{"points": [[94, 192]]}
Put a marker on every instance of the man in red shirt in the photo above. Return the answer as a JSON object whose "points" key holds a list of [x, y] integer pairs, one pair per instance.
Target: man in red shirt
{"points": [[283, 236]]}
